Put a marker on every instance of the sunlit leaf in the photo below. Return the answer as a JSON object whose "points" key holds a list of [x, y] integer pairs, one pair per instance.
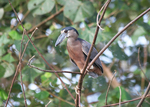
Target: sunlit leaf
{"points": [[15, 35], [27, 26], [1, 12], [3, 40], [3, 94], [2, 50], [10, 69]]}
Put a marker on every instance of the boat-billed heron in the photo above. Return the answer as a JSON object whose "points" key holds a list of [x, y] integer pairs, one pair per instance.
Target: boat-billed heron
{"points": [[78, 50]]}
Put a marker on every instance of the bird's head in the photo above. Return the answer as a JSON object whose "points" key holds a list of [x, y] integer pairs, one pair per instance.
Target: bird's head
{"points": [[67, 32]]}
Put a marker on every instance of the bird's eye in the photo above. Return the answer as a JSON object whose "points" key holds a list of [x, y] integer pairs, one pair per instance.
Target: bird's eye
{"points": [[66, 31]]}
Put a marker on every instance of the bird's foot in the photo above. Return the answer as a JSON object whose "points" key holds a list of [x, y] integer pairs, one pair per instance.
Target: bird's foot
{"points": [[76, 89], [92, 67]]}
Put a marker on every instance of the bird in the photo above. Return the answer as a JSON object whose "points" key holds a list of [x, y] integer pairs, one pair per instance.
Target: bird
{"points": [[78, 50]]}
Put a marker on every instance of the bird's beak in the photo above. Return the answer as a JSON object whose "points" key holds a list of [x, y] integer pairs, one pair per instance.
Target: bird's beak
{"points": [[60, 38]]}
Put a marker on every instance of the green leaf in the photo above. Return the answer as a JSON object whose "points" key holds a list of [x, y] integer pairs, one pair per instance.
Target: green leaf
{"points": [[29, 74], [3, 94], [14, 4], [32, 4], [101, 99], [10, 69], [15, 35], [2, 71], [4, 40], [27, 26], [77, 10], [8, 58], [62, 2], [118, 52], [1, 12], [46, 78], [42, 95], [140, 31], [137, 72], [88, 34], [124, 94], [16, 88], [2, 51], [41, 7]]}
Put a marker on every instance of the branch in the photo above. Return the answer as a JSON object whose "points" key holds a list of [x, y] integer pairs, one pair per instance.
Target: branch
{"points": [[39, 52], [146, 92], [20, 60], [108, 88], [56, 96], [88, 57], [44, 21], [120, 97], [110, 42], [141, 66], [18, 68], [58, 71], [48, 103], [125, 101], [26, 14]]}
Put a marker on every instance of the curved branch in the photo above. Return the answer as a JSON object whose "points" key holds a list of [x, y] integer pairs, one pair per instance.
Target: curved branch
{"points": [[53, 71], [44, 21], [125, 101], [110, 42], [88, 57], [39, 53]]}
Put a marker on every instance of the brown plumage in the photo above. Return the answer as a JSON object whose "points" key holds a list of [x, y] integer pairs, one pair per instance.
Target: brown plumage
{"points": [[78, 50]]}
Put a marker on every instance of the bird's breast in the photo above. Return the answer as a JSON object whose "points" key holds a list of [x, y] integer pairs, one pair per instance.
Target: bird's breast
{"points": [[76, 53]]}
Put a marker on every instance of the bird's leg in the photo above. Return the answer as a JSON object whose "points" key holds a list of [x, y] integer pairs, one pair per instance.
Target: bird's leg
{"points": [[76, 89], [91, 68]]}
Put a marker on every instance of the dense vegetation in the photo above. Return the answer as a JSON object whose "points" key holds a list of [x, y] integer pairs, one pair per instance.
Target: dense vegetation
{"points": [[41, 87]]}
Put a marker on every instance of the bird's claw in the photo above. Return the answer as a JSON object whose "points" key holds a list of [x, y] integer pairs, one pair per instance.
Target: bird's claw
{"points": [[76, 89]]}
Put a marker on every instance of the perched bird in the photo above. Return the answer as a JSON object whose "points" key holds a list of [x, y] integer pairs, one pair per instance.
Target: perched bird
{"points": [[78, 50]]}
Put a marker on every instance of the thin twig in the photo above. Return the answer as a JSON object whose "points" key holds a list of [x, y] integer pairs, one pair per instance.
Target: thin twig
{"points": [[109, 87], [95, 36], [110, 42], [120, 97], [48, 103], [26, 14], [47, 19], [20, 60], [141, 66], [39, 52], [125, 101], [55, 96], [97, 18], [17, 69], [53, 71], [146, 92], [88, 57]]}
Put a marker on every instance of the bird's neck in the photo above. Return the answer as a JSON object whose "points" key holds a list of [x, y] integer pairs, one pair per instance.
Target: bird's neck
{"points": [[71, 41]]}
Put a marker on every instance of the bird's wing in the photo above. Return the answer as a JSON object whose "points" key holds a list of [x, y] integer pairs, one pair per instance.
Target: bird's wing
{"points": [[73, 61], [86, 47]]}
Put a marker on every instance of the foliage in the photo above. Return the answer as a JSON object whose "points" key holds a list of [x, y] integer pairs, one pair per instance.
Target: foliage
{"points": [[81, 14]]}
